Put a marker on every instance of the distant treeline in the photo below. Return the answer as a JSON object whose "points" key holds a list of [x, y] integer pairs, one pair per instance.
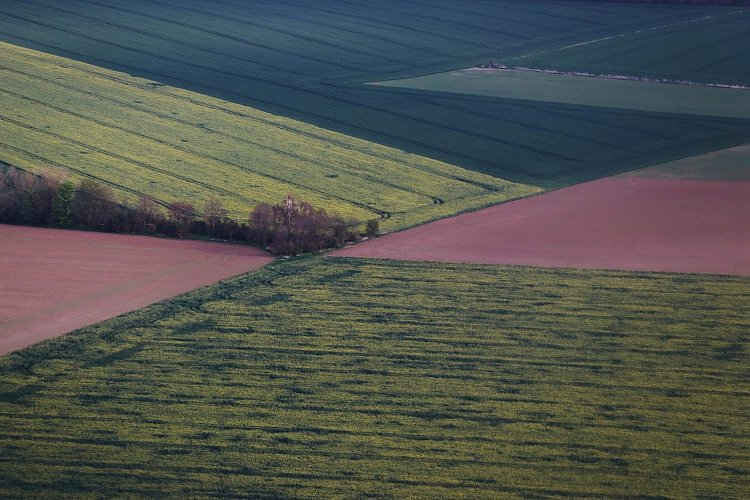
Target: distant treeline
{"points": [[290, 227], [735, 3]]}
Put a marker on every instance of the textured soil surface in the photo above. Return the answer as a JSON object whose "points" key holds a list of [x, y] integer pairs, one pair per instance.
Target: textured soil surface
{"points": [[641, 221], [54, 281]]}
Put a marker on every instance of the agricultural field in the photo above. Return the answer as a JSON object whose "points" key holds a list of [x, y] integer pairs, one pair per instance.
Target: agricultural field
{"points": [[690, 215], [713, 48], [144, 138], [432, 362], [54, 281], [308, 60], [334, 377], [585, 90]]}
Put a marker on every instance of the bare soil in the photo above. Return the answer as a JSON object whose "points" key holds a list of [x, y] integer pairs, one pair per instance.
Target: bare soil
{"points": [[54, 281], [642, 222]]}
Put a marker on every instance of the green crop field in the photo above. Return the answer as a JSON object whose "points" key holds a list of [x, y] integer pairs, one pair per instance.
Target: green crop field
{"points": [[714, 48], [146, 138], [325, 377], [584, 90], [308, 60]]}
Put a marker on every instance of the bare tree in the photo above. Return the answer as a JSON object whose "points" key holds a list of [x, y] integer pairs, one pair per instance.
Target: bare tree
{"points": [[149, 215], [182, 213], [263, 223], [214, 213], [94, 204]]}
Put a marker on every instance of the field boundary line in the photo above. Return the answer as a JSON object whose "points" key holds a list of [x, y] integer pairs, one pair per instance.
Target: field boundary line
{"points": [[286, 127]]}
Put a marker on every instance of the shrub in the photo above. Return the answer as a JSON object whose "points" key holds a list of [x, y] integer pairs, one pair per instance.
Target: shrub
{"points": [[372, 228], [295, 226]]}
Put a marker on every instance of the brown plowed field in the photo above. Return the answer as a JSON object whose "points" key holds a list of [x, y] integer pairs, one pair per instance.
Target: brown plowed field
{"points": [[643, 222], [54, 281]]}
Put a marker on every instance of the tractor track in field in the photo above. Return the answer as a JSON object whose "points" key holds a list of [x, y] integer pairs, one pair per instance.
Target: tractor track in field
{"points": [[148, 166], [344, 123], [124, 158], [82, 173], [654, 29], [219, 34], [277, 30], [182, 43], [287, 128], [316, 93], [453, 22], [361, 34], [391, 24], [247, 97], [433, 199]]}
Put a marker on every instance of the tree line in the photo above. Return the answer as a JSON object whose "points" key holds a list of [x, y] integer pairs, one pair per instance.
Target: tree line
{"points": [[290, 227]]}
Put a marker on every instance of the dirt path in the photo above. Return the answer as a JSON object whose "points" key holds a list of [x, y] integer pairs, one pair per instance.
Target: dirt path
{"points": [[54, 281]]}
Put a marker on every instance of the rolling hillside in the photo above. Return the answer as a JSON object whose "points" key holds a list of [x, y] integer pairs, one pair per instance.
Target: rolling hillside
{"points": [[305, 60], [143, 137]]}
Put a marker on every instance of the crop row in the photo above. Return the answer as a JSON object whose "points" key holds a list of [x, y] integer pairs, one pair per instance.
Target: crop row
{"points": [[354, 377]]}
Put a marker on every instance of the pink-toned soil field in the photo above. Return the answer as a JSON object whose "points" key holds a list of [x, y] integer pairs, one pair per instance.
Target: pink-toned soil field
{"points": [[646, 220], [54, 281]]}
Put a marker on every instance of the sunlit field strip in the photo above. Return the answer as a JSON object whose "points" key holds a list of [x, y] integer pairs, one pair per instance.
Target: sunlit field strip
{"points": [[283, 130], [355, 377], [177, 138]]}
